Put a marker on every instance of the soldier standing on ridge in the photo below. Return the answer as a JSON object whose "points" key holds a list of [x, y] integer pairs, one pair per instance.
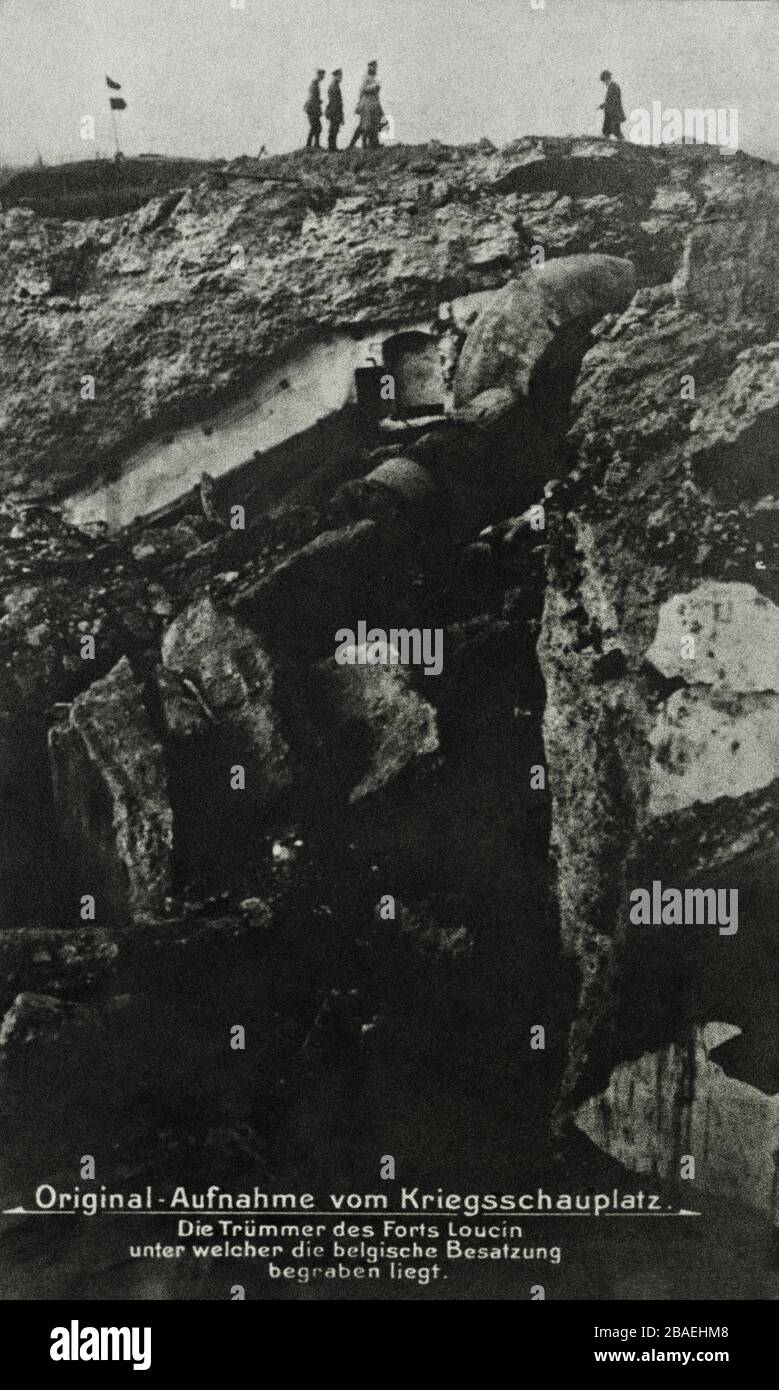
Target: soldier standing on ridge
{"points": [[313, 109], [369, 110], [613, 114], [334, 111]]}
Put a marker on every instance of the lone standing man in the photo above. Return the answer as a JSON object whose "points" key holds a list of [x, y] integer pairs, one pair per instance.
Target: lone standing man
{"points": [[334, 111], [313, 109], [613, 114]]}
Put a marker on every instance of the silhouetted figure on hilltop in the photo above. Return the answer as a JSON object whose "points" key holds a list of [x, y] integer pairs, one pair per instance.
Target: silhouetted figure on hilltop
{"points": [[613, 114], [369, 110], [313, 109], [334, 111]]}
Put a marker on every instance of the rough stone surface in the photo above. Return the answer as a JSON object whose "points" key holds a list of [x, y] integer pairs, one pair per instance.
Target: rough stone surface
{"points": [[300, 604], [735, 638], [110, 787], [719, 737], [679, 1102], [231, 681], [513, 333], [709, 746], [152, 305], [651, 538], [377, 704]]}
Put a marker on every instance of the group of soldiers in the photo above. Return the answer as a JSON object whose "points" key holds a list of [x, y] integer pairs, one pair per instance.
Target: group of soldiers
{"points": [[371, 120]]}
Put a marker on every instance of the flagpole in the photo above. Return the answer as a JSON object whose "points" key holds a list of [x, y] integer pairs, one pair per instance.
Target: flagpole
{"points": [[113, 105], [113, 123]]}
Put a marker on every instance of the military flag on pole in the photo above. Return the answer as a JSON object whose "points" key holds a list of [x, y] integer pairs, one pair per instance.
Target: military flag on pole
{"points": [[116, 103]]}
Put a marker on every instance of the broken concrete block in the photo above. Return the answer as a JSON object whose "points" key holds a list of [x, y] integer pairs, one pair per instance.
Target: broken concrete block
{"points": [[706, 746], [109, 781], [520, 324], [678, 1102], [734, 632], [301, 604], [227, 677], [745, 245], [184, 714], [734, 450], [377, 713], [719, 736]]}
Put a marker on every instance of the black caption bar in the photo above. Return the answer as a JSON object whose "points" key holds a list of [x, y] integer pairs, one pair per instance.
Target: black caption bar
{"points": [[152, 1340]]}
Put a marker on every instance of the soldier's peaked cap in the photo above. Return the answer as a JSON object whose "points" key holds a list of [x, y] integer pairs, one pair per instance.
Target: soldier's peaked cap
{"points": [[605, 75]]}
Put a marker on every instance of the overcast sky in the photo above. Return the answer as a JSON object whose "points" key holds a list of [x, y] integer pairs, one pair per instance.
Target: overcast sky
{"points": [[203, 78]]}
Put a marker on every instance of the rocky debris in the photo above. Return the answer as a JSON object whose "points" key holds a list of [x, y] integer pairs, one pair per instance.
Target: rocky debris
{"points": [[734, 635], [185, 712], [640, 749], [734, 452], [54, 962], [302, 602], [228, 683], [720, 736], [640, 208], [674, 781], [110, 787], [312, 252], [707, 747], [677, 1103], [36, 1020], [85, 584], [383, 726], [192, 938], [206, 492], [730, 266], [160, 309], [511, 336]]}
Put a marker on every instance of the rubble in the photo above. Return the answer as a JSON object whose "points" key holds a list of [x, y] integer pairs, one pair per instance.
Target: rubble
{"points": [[679, 737], [563, 644], [375, 705], [511, 336], [167, 314], [229, 679], [110, 787], [678, 1103], [54, 962], [299, 605]]}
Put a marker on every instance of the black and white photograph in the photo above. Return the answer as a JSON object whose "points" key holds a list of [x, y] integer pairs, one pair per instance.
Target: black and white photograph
{"points": [[389, 663]]}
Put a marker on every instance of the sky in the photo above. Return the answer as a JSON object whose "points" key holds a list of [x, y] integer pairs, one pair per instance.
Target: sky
{"points": [[218, 78]]}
